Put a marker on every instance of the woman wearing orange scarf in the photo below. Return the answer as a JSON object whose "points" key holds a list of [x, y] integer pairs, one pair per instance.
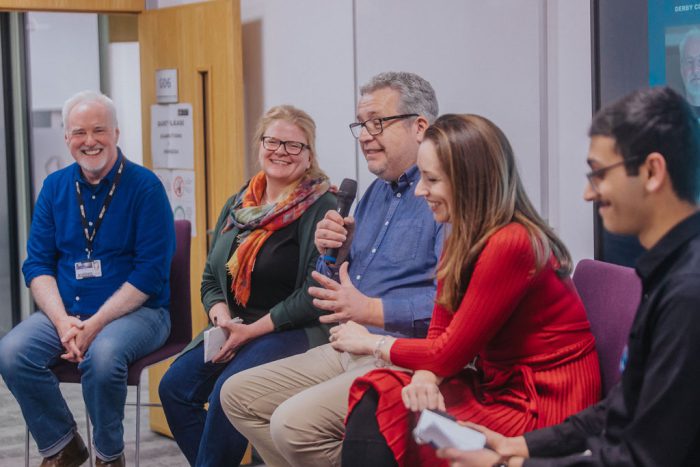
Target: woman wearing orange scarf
{"points": [[258, 270]]}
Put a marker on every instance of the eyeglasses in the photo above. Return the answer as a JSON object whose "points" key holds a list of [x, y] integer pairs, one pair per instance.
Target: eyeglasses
{"points": [[596, 176], [293, 148], [374, 126]]}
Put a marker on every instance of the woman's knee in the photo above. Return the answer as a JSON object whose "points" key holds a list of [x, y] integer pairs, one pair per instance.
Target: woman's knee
{"points": [[169, 387]]}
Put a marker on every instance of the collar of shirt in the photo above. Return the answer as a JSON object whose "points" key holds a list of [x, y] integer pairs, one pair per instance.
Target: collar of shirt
{"points": [[405, 180], [680, 234]]}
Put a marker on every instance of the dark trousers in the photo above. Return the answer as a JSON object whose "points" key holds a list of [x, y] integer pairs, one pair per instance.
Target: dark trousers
{"points": [[364, 445], [206, 437]]}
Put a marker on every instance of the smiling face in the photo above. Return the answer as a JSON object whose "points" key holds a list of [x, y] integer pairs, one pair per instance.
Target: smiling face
{"points": [[434, 185], [620, 196], [392, 152], [280, 167], [91, 137]]}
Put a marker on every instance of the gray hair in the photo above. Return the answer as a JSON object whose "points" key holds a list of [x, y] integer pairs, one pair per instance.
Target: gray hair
{"points": [[417, 95], [85, 97], [693, 33]]}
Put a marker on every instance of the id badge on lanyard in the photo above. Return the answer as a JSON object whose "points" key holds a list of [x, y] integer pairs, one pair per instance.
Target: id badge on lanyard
{"points": [[86, 269], [93, 267]]}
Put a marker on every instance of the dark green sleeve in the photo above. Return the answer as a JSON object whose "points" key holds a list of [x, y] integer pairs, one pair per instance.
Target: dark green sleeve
{"points": [[210, 290], [297, 309]]}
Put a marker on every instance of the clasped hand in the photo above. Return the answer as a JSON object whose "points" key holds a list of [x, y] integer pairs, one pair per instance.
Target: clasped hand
{"points": [[238, 335], [423, 392], [353, 338], [76, 336]]}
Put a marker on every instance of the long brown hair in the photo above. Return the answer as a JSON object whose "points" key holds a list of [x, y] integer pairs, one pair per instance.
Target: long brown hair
{"points": [[487, 194]]}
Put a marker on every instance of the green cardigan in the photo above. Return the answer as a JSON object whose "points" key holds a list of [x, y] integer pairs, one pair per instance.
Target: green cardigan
{"points": [[296, 310]]}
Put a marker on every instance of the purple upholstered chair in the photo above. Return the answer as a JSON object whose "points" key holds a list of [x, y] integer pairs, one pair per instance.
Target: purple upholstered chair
{"points": [[180, 333], [611, 295]]}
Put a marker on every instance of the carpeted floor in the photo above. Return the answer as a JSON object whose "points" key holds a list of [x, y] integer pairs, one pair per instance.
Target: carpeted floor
{"points": [[156, 450]]}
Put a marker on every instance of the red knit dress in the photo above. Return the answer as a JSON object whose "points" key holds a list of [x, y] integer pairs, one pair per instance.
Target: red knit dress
{"points": [[536, 361]]}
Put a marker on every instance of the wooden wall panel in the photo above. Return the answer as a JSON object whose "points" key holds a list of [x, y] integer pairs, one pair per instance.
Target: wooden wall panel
{"points": [[203, 42], [92, 6]]}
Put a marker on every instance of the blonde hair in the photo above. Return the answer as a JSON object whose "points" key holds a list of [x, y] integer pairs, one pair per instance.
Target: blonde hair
{"points": [[301, 119], [487, 195]]}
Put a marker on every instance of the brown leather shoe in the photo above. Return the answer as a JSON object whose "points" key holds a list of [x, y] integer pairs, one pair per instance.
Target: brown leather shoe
{"points": [[73, 454], [118, 462]]}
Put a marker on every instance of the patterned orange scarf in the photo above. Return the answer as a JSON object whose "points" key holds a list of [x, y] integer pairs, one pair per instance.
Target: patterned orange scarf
{"points": [[258, 221]]}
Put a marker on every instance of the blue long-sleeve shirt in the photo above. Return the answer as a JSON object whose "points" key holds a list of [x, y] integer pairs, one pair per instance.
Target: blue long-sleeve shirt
{"points": [[394, 251], [135, 242]]}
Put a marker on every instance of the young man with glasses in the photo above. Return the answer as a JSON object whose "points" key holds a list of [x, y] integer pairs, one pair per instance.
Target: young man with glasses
{"points": [[645, 180], [293, 410]]}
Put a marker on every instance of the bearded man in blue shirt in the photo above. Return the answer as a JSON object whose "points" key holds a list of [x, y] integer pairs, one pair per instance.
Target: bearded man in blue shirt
{"points": [[98, 264], [293, 410]]}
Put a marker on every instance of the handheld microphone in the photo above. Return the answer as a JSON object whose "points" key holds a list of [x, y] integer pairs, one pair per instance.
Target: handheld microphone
{"points": [[346, 196]]}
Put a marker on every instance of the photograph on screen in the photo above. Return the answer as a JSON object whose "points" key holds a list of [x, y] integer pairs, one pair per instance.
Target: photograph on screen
{"points": [[682, 45]]}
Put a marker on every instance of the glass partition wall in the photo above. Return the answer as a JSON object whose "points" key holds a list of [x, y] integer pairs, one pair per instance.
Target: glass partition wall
{"points": [[48, 58]]}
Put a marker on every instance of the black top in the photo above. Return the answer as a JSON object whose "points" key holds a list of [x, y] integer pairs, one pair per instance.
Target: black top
{"points": [[276, 267], [652, 417]]}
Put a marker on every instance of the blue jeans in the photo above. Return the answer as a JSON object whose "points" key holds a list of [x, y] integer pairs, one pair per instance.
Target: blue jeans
{"points": [[32, 347], [206, 437]]}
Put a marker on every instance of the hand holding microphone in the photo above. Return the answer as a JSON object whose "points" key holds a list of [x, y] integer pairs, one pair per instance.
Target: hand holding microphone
{"points": [[335, 230]]}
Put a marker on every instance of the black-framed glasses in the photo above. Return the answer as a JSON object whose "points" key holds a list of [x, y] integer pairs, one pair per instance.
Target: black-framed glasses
{"points": [[596, 176], [375, 126], [293, 148]]}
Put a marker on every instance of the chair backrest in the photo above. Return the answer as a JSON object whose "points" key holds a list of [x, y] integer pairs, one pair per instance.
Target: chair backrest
{"points": [[180, 314], [180, 298], [611, 296]]}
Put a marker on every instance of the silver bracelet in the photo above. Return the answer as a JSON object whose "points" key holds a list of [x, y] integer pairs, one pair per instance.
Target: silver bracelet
{"points": [[377, 353]]}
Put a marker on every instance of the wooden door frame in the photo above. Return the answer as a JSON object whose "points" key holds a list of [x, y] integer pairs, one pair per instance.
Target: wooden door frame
{"points": [[75, 6]]}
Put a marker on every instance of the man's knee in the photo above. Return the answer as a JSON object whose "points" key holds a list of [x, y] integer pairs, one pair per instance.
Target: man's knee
{"points": [[10, 350], [293, 424], [230, 396], [104, 363]]}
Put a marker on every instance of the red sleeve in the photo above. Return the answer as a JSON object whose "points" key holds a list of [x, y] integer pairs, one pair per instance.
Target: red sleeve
{"points": [[440, 319], [501, 277]]}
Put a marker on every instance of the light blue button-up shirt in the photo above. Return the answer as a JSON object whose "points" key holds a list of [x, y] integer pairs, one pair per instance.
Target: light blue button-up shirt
{"points": [[393, 255]]}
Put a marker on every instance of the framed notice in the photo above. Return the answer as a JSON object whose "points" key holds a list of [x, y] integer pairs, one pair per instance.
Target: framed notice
{"points": [[172, 136]]}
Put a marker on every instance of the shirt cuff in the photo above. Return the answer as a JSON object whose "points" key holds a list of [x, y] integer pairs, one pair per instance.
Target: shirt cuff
{"points": [[323, 268], [538, 441], [399, 317]]}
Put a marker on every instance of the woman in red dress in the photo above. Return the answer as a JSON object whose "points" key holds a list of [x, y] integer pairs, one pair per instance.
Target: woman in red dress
{"points": [[509, 345]]}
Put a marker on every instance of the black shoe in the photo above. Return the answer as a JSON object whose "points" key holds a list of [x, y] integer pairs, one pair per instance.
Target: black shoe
{"points": [[73, 454], [118, 462]]}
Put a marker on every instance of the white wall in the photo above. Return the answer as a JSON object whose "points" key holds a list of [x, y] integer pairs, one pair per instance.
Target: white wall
{"points": [[305, 58], [570, 109], [125, 84], [525, 64]]}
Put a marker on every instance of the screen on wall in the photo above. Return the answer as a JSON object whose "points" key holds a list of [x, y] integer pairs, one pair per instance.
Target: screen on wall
{"points": [[674, 47]]}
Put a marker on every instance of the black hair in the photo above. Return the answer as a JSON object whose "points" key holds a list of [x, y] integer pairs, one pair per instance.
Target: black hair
{"points": [[655, 120]]}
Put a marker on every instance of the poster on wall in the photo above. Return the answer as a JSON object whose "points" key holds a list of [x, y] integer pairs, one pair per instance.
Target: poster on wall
{"points": [[172, 150], [674, 47], [172, 136], [179, 186]]}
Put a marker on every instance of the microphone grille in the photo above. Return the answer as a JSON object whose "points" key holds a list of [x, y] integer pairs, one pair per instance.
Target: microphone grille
{"points": [[348, 188]]}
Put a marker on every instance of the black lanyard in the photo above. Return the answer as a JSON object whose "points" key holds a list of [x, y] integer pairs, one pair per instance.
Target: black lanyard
{"points": [[90, 237]]}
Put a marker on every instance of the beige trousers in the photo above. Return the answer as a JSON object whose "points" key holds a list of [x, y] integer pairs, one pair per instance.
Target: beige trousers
{"points": [[293, 410]]}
